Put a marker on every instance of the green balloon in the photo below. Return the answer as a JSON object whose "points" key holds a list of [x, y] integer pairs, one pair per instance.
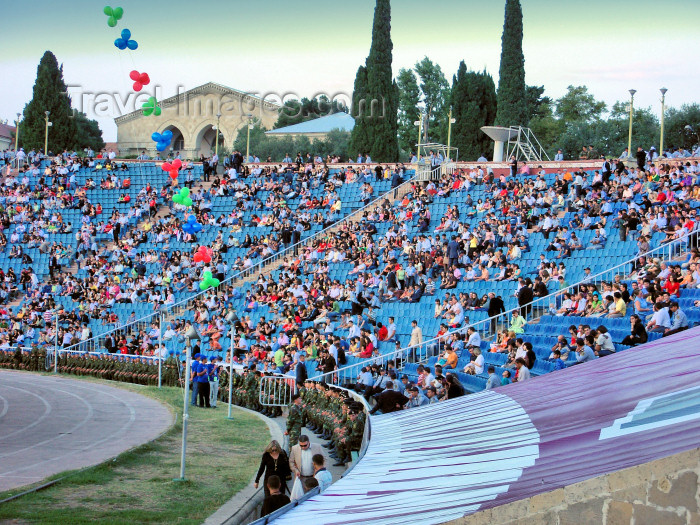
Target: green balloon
{"points": [[185, 192], [187, 201], [117, 12], [111, 21], [203, 286], [107, 10], [215, 282]]}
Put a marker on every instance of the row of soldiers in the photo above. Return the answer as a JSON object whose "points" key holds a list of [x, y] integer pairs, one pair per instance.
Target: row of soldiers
{"points": [[332, 414]]}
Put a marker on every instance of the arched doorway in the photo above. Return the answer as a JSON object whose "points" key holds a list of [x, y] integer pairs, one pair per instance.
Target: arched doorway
{"points": [[205, 142], [177, 144]]}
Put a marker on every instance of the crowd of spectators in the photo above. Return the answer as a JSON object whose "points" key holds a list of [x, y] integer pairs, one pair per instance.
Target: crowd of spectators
{"points": [[398, 252]]}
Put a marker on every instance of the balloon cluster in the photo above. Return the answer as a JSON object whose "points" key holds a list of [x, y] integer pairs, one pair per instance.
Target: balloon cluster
{"points": [[113, 14], [208, 281], [151, 107], [172, 167], [140, 80], [183, 197], [203, 254], [192, 226], [126, 41], [162, 140]]}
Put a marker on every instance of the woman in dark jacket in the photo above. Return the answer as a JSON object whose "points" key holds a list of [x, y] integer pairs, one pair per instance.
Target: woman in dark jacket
{"points": [[274, 462], [454, 387], [638, 334]]}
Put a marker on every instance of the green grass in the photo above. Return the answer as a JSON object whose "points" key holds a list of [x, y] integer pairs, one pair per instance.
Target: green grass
{"points": [[138, 487]]}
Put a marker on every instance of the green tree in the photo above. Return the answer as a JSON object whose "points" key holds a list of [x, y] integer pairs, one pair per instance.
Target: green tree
{"points": [[675, 134], [49, 94], [538, 105], [359, 139], [512, 104], [578, 105], [381, 87], [645, 133], [257, 136], [473, 106], [295, 111], [87, 132], [335, 143], [436, 96], [408, 113]]}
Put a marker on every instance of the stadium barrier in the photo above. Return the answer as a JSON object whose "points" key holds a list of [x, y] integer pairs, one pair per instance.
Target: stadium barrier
{"points": [[277, 390], [489, 328]]}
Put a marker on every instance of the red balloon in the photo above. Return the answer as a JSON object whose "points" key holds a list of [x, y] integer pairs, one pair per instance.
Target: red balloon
{"points": [[172, 168], [140, 80]]}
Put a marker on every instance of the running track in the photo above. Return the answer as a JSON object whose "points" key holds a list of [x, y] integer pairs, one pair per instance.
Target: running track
{"points": [[50, 424]]}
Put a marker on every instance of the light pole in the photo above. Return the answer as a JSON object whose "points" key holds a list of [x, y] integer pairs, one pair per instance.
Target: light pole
{"points": [[450, 121], [663, 110], [216, 148], [189, 336], [247, 143], [46, 134], [629, 141], [160, 348], [230, 375], [419, 123], [17, 136]]}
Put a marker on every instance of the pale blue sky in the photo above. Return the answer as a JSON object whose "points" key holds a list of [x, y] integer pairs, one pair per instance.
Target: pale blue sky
{"points": [[310, 46]]}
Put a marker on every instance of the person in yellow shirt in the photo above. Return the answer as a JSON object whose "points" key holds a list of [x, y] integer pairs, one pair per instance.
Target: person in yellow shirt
{"points": [[620, 306]]}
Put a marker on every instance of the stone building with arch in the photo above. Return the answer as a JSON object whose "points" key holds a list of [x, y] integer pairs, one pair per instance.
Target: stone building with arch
{"points": [[191, 116]]}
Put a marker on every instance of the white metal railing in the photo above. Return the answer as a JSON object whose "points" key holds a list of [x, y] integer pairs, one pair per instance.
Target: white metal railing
{"points": [[489, 327], [425, 172], [277, 390], [95, 343]]}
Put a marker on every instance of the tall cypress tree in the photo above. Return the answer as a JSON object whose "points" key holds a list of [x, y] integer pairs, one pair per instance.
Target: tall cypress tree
{"points": [[359, 139], [49, 95], [409, 98], [473, 106], [381, 100], [512, 104]]}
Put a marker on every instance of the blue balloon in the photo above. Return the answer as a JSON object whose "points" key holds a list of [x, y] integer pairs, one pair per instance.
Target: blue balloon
{"points": [[191, 226], [125, 41], [162, 140]]}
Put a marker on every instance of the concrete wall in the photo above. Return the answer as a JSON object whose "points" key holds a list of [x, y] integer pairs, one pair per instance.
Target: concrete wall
{"points": [[662, 492]]}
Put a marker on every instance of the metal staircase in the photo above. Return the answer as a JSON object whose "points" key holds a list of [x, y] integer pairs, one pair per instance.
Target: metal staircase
{"points": [[525, 146]]}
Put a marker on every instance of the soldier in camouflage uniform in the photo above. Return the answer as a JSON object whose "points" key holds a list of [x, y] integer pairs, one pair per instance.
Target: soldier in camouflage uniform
{"points": [[351, 442], [295, 420], [311, 400]]}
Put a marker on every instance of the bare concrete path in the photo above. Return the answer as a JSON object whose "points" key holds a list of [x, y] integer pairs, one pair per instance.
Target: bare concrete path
{"points": [[49, 424]]}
